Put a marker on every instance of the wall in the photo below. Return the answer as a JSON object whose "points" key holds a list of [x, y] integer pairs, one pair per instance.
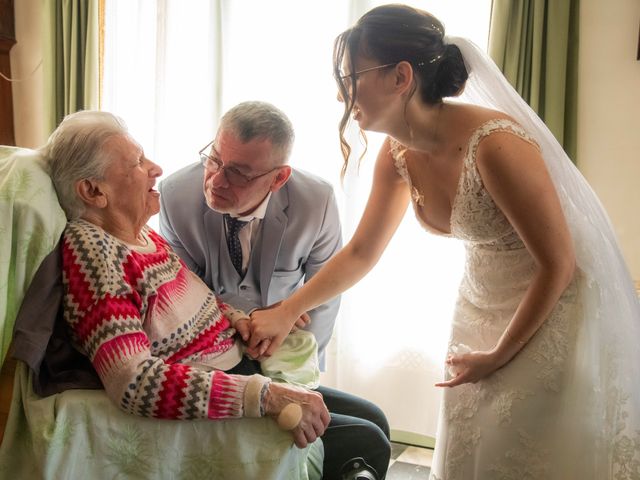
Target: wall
{"points": [[609, 114], [28, 94]]}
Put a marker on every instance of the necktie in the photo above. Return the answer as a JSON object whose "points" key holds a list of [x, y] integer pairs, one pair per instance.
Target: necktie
{"points": [[233, 240]]}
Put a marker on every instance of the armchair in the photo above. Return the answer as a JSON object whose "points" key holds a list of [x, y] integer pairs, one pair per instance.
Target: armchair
{"points": [[80, 433]]}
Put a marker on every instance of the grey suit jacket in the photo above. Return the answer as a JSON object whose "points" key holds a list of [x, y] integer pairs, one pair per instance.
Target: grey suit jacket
{"points": [[300, 232]]}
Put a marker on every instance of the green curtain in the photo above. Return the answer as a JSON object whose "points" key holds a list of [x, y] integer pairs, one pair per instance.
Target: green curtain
{"points": [[535, 44], [70, 58]]}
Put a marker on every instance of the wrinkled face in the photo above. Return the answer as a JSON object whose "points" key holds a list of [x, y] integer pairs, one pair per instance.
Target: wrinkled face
{"points": [[253, 158], [373, 82], [129, 182]]}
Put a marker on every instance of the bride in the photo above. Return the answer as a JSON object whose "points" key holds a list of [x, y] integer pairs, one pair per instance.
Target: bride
{"points": [[543, 365]]}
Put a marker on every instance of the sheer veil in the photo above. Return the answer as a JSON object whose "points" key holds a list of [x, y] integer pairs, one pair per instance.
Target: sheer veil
{"points": [[604, 388]]}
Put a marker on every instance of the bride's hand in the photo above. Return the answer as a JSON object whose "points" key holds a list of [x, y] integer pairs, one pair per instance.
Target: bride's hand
{"points": [[269, 327], [470, 367]]}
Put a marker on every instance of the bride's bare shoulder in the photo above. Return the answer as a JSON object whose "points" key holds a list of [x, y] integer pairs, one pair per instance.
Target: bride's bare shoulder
{"points": [[476, 115]]}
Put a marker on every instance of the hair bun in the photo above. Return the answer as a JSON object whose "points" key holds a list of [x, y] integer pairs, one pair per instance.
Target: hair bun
{"points": [[451, 74]]}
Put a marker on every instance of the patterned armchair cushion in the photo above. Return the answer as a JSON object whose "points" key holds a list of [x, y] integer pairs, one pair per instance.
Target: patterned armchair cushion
{"points": [[32, 222]]}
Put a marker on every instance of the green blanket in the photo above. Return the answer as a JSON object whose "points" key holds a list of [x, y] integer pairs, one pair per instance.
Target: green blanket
{"points": [[80, 434]]}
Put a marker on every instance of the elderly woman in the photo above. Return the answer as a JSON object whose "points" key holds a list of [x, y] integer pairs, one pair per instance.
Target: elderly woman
{"points": [[162, 343]]}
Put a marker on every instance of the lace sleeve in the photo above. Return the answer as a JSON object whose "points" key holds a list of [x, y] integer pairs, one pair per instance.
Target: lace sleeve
{"points": [[397, 151], [497, 125]]}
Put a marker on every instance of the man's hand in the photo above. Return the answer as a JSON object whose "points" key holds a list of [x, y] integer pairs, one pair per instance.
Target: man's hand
{"points": [[302, 321], [315, 415]]}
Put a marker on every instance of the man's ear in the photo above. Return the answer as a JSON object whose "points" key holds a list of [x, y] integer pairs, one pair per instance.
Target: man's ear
{"points": [[91, 193], [283, 175], [404, 77]]}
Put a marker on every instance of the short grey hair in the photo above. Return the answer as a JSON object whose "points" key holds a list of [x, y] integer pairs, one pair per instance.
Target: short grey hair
{"points": [[75, 152], [260, 120]]}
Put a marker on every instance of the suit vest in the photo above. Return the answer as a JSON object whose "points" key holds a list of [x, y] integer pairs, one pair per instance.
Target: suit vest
{"points": [[231, 281]]}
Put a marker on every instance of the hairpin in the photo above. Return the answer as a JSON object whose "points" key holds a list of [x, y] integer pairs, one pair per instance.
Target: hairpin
{"points": [[433, 60], [437, 29]]}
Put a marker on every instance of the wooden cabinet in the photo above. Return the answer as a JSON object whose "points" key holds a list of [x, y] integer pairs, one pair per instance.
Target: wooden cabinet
{"points": [[6, 390], [7, 41]]}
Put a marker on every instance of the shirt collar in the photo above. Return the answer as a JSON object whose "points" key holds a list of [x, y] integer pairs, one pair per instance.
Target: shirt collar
{"points": [[259, 212]]}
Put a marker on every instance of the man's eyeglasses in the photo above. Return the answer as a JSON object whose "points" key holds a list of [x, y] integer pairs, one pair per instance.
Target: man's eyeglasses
{"points": [[232, 174]]}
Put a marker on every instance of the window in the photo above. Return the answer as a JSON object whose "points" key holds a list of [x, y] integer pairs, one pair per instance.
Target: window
{"points": [[172, 68]]}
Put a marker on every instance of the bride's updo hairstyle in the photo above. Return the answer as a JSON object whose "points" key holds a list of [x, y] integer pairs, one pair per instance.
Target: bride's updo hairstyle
{"points": [[391, 34]]}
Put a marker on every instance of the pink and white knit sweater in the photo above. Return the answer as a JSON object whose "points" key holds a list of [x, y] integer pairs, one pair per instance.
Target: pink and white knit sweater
{"points": [[142, 317]]}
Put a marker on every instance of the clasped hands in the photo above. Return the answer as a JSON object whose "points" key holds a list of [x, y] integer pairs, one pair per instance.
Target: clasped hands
{"points": [[266, 328]]}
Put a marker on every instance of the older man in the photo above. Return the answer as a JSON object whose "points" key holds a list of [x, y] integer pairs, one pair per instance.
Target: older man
{"points": [[253, 228]]}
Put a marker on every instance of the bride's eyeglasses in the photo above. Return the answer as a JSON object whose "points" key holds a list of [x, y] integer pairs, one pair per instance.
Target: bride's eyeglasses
{"points": [[347, 78]]}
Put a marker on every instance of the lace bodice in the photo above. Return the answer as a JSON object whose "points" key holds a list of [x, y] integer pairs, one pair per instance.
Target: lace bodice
{"points": [[474, 215]]}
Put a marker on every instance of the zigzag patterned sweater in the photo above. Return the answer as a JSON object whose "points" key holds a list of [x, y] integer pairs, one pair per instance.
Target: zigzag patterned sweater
{"points": [[144, 319]]}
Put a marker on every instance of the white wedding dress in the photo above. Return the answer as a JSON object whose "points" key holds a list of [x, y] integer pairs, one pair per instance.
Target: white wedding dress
{"points": [[568, 406], [495, 428], [530, 420]]}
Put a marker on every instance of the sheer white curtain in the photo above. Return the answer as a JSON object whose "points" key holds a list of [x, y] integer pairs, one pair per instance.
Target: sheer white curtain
{"points": [[172, 68]]}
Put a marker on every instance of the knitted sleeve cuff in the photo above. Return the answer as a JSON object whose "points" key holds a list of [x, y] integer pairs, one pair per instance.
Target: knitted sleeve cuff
{"points": [[254, 393], [233, 315]]}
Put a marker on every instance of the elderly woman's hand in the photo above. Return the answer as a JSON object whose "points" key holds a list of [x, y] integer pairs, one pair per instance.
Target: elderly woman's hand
{"points": [[315, 415], [243, 328]]}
